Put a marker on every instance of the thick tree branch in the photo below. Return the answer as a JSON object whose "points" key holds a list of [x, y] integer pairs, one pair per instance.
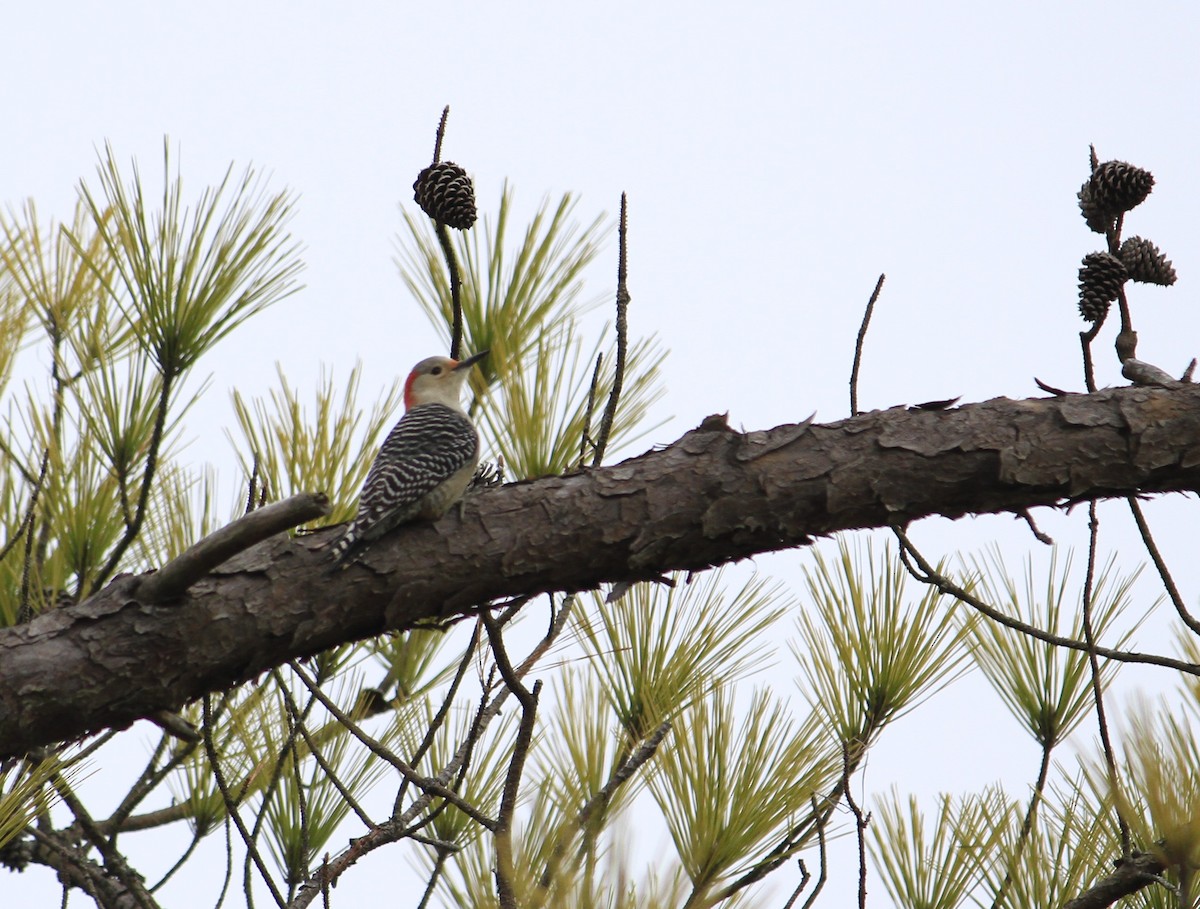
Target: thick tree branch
{"points": [[713, 496]]}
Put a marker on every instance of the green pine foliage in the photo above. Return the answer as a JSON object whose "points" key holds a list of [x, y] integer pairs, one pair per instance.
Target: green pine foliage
{"points": [[659, 768]]}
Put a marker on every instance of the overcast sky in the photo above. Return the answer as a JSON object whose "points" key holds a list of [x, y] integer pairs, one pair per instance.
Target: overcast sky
{"points": [[777, 157]]}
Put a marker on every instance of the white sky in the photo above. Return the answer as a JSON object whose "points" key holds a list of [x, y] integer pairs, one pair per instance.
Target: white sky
{"points": [[776, 159]]}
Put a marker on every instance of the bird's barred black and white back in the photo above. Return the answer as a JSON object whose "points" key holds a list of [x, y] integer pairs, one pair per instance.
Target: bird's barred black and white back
{"points": [[423, 468]]}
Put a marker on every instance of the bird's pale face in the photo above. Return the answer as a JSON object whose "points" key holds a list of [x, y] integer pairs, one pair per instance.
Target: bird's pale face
{"points": [[435, 380]]}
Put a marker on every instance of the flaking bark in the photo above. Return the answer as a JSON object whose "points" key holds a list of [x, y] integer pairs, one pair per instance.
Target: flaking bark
{"points": [[713, 496]]}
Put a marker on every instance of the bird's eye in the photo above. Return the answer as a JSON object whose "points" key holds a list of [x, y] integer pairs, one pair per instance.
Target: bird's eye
{"points": [[436, 371]]}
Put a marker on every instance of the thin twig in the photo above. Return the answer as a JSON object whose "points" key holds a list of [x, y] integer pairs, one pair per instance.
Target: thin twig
{"points": [[1085, 341], [230, 805], [440, 717], [1097, 686], [1033, 528], [805, 877], [130, 880], [25, 612], [296, 724], [1163, 572], [456, 327], [398, 826], [441, 134], [153, 450], [858, 346], [860, 823], [1035, 799], [424, 783], [623, 298], [930, 575], [824, 873], [502, 833], [586, 435], [328, 770]]}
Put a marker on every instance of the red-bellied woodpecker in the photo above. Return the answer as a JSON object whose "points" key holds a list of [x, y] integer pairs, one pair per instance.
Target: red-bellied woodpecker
{"points": [[427, 460]]}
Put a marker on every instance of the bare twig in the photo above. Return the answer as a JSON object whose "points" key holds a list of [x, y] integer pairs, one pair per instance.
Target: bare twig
{"points": [[1160, 563], [440, 717], [1110, 759], [328, 770], [441, 134], [231, 811], [1132, 875], [1085, 341], [502, 833], [456, 328], [201, 558], [858, 346], [1035, 799], [1033, 528], [623, 298], [823, 875], [428, 784], [930, 575], [586, 437], [25, 611], [153, 450], [398, 826], [114, 861], [805, 877], [860, 823]]}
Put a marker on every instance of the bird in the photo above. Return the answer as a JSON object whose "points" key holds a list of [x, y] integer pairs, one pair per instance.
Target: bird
{"points": [[427, 461]]}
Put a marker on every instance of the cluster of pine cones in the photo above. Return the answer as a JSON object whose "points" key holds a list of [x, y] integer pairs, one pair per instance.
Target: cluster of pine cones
{"points": [[1114, 188]]}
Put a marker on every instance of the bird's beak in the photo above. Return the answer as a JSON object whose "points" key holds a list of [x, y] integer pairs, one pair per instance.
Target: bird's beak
{"points": [[471, 361]]}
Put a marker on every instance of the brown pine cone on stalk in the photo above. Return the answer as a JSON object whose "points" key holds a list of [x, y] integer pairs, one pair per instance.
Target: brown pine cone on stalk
{"points": [[1117, 186], [1100, 281], [445, 193], [1145, 262]]}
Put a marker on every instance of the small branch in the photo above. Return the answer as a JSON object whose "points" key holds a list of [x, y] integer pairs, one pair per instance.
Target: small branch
{"points": [[201, 558], [427, 784], [25, 611], [456, 328], [586, 437], [231, 811], [860, 822], [858, 345], [441, 134], [805, 877], [440, 717], [1163, 572], [1039, 787], [1033, 528], [341, 787], [823, 875], [153, 448], [1132, 875], [623, 298], [1097, 687], [1085, 341], [502, 833], [930, 575], [600, 801], [392, 830], [114, 861]]}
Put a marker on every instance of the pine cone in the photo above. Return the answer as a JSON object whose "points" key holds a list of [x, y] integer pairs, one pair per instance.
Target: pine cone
{"points": [[1096, 218], [1117, 186], [1100, 281], [1144, 262], [445, 193]]}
